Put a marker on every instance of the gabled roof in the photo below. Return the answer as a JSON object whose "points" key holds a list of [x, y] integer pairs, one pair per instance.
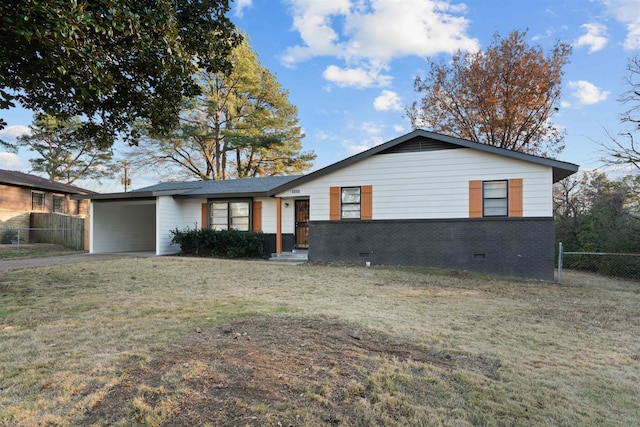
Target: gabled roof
{"points": [[560, 169], [244, 187], [20, 179], [269, 186]]}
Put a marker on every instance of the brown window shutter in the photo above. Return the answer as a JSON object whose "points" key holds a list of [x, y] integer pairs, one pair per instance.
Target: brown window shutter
{"points": [[366, 202], [515, 197], [205, 216], [334, 203], [257, 216], [475, 199]]}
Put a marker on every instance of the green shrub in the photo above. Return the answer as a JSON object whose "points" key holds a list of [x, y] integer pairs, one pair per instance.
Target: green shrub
{"points": [[223, 243]]}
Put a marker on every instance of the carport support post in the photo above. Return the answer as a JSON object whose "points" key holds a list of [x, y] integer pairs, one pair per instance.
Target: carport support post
{"points": [[278, 225], [559, 261]]}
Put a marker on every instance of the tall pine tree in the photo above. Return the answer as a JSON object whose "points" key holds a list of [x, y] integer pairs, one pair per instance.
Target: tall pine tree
{"points": [[242, 125], [64, 152]]}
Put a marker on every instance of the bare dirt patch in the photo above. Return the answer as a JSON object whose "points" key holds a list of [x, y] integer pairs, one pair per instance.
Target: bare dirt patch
{"points": [[267, 370]]}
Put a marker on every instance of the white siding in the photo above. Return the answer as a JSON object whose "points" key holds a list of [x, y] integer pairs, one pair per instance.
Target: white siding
{"points": [[269, 206], [268, 214], [175, 213], [288, 216], [123, 226], [429, 184]]}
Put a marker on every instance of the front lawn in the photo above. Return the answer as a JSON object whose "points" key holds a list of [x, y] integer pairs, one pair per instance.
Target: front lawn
{"points": [[184, 341]]}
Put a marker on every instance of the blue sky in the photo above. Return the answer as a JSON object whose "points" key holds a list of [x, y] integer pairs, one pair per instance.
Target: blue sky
{"points": [[349, 65]]}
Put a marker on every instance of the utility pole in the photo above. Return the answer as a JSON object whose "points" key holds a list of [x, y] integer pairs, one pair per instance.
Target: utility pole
{"points": [[126, 181]]}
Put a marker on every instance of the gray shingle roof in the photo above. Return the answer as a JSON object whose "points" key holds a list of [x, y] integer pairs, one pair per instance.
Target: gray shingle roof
{"points": [[560, 169], [32, 181], [245, 186]]}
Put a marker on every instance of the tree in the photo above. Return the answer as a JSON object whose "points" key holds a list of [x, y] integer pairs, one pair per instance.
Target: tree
{"points": [[504, 96], [111, 62], [64, 153], [595, 213], [242, 125], [624, 149], [569, 205]]}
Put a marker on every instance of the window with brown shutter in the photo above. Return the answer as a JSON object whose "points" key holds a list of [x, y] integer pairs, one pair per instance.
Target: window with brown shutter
{"points": [[499, 198]]}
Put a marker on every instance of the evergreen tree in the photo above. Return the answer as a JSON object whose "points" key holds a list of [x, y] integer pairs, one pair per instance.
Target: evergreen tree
{"points": [[242, 125], [65, 153]]}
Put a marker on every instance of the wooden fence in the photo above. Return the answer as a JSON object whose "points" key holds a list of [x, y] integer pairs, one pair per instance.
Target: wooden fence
{"points": [[59, 229]]}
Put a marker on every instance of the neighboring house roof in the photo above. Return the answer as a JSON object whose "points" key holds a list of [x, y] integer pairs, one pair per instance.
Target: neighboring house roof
{"points": [[435, 141], [20, 179], [244, 187]]}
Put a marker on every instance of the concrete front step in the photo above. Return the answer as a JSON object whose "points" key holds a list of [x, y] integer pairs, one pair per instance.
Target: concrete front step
{"points": [[293, 257]]}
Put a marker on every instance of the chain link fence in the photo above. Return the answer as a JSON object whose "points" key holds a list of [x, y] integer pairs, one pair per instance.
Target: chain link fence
{"points": [[18, 239], [622, 265]]}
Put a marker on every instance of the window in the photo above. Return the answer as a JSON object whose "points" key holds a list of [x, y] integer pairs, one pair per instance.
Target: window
{"points": [[226, 215], [350, 203], [58, 204], [495, 200], [37, 201]]}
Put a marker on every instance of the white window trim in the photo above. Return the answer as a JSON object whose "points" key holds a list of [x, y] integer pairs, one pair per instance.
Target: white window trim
{"points": [[506, 198], [228, 202], [343, 204]]}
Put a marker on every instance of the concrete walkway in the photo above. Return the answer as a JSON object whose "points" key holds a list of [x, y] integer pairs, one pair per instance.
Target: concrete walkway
{"points": [[17, 264]]}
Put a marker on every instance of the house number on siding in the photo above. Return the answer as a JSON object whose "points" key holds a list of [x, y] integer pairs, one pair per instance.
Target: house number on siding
{"points": [[295, 191]]}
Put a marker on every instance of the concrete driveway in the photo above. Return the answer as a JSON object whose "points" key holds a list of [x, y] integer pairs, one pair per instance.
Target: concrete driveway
{"points": [[16, 264]]}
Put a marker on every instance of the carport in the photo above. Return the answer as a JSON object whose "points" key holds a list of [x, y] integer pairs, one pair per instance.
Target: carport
{"points": [[123, 225], [142, 220]]}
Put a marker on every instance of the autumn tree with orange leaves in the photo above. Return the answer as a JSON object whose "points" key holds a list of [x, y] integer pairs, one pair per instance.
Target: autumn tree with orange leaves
{"points": [[504, 96]]}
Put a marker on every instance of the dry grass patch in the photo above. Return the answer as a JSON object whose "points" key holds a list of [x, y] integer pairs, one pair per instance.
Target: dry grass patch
{"points": [[152, 341], [33, 250]]}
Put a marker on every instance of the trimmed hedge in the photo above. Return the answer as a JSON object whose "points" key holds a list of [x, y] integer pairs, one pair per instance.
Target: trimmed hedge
{"points": [[223, 243]]}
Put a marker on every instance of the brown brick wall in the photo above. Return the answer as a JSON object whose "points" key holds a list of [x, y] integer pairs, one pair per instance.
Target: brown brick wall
{"points": [[18, 199]]}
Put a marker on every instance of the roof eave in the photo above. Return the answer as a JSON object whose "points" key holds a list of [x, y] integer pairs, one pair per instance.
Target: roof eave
{"points": [[115, 196], [223, 195], [560, 169], [44, 187]]}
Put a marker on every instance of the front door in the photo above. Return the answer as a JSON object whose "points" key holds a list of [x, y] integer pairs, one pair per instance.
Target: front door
{"points": [[302, 224]]}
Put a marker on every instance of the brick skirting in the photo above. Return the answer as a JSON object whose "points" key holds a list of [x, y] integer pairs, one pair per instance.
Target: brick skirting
{"points": [[521, 247]]}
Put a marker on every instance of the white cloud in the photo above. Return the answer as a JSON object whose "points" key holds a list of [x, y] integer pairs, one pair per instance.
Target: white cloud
{"points": [[595, 38], [588, 93], [10, 161], [322, 135], [372, 138], [241, 5], [550, 32], [399, 128], [356, 77], [628, 13], [565, 104], [14, 131], [387, 101], [356, 148], [372, 128], [368, 34]]}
